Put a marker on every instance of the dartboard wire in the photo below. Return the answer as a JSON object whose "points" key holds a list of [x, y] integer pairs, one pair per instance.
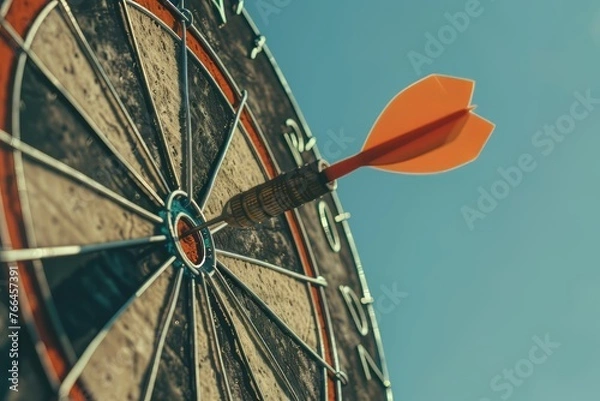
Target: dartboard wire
{"points": [[237, 338], [216, 345], [223, 152], [318, 281], [218, 228], [4, 7], [149, 388], [75, 175], [338, 374], [332, 342], [193, 312], [79, 366], [258, 338], [186, 129], [102, 75], [324, 347], [148, 95], [20, 255], [140, 181]]}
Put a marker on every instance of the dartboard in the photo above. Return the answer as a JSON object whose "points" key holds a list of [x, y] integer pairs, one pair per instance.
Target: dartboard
{"points": [[123, 124]]}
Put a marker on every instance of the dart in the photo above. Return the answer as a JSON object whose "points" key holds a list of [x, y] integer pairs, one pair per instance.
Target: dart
{"points": [[427, 128]]}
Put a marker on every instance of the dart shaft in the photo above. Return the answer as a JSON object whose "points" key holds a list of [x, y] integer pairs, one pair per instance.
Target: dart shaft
{"points": [[344, 167]]}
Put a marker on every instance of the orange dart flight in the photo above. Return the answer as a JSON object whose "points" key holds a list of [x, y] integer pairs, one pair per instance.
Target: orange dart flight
{"points": [[427, 128]]}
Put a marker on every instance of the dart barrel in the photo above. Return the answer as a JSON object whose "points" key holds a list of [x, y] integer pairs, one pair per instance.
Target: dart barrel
{"points": [[285, 192]]}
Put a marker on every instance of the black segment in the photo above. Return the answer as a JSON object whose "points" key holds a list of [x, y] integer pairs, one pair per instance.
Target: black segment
{"points": [[211, 120], [89, 289], [240, 382], [298, 366]]}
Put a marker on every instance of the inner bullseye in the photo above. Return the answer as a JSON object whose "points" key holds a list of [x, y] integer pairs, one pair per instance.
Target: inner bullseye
{"points": [[192, 245]]}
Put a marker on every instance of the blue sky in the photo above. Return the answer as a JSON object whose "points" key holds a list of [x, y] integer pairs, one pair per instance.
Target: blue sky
{"points": [[527, 266]]}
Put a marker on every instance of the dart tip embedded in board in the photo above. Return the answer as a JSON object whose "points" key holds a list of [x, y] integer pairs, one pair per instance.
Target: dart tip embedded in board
{"points": [[200, 227]]}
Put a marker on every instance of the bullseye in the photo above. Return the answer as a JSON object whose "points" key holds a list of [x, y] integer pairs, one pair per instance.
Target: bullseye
{"points": [[196, 251], [192, 245]]}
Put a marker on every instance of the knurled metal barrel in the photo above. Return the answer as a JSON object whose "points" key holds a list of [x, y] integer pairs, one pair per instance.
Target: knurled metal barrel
{"points": [[285, 192]]}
